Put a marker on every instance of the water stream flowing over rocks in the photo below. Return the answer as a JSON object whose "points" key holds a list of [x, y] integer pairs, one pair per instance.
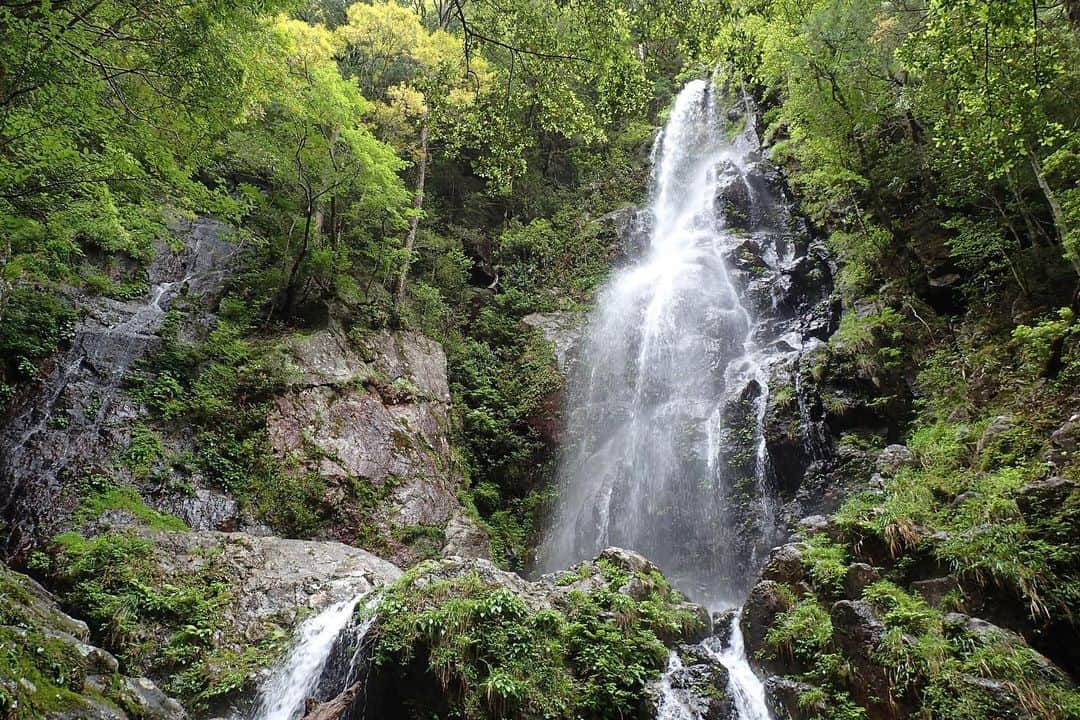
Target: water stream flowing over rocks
{"points": [[309, 666], [81, 413], [666, 446]]}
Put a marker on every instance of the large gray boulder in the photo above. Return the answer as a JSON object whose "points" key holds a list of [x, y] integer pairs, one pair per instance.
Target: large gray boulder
{"points": [[273, 581], [564, 330], [374, 414]]}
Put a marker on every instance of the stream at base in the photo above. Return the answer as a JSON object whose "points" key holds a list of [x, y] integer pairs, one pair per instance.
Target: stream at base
{"points": [[299, 675]]}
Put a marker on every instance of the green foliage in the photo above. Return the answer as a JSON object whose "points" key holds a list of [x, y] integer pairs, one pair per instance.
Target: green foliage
{"points": [[1036, 343], [107, 112], [801, 633], [220, 388], [171, 626], [127, 500], [827, 564], [876, 339], [493, 656], [333, 192], [32, 324]]}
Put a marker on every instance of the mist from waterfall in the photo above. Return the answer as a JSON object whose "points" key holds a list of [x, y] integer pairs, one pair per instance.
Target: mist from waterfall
{"points": [[667, 403]]}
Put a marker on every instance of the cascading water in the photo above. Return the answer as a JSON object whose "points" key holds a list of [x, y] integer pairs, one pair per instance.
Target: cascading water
{"points": [[284, 695], [80, 413], [666, 411], [747, 693], [666, 451]]}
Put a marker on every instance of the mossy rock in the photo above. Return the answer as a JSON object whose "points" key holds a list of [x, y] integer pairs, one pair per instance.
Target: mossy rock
{"points": [[463, 638]]}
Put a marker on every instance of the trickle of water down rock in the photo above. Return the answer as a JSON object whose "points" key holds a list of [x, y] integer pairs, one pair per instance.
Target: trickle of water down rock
{"points": [[665, 447], [80, 412]]}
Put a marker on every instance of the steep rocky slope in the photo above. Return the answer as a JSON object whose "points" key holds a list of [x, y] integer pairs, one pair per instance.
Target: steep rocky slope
{"points": [[51, 671]]}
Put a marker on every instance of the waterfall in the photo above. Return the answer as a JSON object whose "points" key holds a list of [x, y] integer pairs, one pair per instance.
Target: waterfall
{"points": [[666, 449], [744, 689], [299, 676], [747, 692]]}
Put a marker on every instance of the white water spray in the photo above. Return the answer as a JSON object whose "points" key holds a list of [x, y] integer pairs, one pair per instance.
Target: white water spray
{"points": [[744, 688], [284, 694], [747, 692], [665, 429], [666, 452]]}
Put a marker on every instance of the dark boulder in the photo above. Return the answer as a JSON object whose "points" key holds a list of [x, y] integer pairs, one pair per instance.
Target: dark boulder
{"points": [[784, 696], [935, 590], [785, 565], [1060, 450], [1044, 498], [767, 600], [893, 459], [858, 577], [857, 634]]}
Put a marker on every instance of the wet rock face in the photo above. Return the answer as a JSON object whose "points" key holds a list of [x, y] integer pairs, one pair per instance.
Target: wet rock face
{"points": [[564, 330], [626, 230], [766, 601], [376, 416], [783, 696], [79, 415], [50, 671]]}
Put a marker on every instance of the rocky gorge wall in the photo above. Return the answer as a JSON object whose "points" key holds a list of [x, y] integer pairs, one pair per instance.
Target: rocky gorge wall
{"points": [[858, 615], [107, 495]]}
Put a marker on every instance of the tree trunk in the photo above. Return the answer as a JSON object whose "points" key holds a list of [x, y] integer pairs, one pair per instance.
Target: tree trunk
{"points": [[290, 288], [331, 709], [1055, 207], [414, 223]]}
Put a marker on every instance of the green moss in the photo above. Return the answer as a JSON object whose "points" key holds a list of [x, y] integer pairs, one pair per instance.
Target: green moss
{"points": [[801, 633], [168, 626], [493, 656], [827, 564], [126, 499], [426, 541], [144, 451], [39, 675]]}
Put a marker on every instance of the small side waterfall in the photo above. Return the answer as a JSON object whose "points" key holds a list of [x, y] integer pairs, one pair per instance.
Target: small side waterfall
{"points": [[81, 412], [747, 692], [302, 672]]}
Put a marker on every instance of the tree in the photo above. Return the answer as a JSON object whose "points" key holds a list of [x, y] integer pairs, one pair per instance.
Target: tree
{"points": [[109, 109], [335, 185], [997, 88], [425, 92]]}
